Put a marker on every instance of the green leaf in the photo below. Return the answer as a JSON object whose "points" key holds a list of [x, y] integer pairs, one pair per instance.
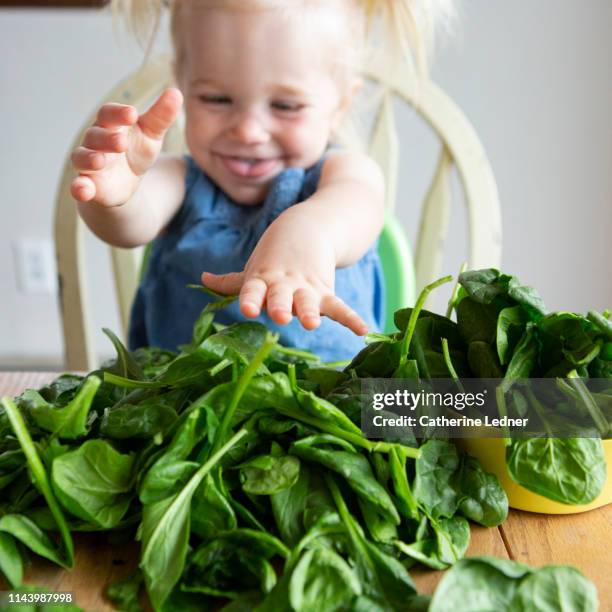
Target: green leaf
{"points": [[524, 358], [69, 422], [169, 471], [11, 563], [142, 420], [211, 511], [477, 322], [510, 327], [445, 546], [266, 474], [125, 593], [353, 467], [484, 285], [28, 533], [165, 532], [384, 579], [570, 470], [478, 583], [233, 562], [125, 365], [94, 482], [435, 468], [481, 498], [322, 579], [555, 587]]}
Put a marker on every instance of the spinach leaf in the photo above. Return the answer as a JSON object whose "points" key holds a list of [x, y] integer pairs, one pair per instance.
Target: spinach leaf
{"points": [[125, 365], [555, 587], [478, 583], [11, 563], [211, 511], [142, 420], [164, 532], [433, 483], [71, 421], [94, 482], [448, 542], [511, 324], [269, 474], [481, 497], [22, 528], [570, 470], [385, 580], [353, 467], [486, 583], [322, 578], [125, 593]]}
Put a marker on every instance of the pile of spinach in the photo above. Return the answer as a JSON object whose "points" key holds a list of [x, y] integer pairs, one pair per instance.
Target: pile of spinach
{"points": [[509, 335], [240, 468]]}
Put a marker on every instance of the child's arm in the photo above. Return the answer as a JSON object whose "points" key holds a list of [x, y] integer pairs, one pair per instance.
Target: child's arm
{"points": [[292, 269], [124, 195]]}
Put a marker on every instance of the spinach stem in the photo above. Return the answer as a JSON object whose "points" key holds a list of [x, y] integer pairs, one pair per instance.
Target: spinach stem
{"points": [[501, 406], [128, 383], [449, 364], [336, 364], [414, 316], [243, 382], [224, 363], [353, 438], [305, 355], [455, 294], [537, 406]]}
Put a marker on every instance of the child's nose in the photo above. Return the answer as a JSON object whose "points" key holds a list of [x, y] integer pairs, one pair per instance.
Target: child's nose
{"points": [[250, 130]]}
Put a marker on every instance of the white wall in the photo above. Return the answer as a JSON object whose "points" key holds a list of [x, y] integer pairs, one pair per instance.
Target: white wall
{"points": [[534, 77]]}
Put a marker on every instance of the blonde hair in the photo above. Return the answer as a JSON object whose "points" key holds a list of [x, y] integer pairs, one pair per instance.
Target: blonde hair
{"points": [[402, 30], [406, 29]]}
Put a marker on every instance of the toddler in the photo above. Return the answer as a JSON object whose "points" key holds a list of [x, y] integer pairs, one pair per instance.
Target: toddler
{"points": [[265, 205]]}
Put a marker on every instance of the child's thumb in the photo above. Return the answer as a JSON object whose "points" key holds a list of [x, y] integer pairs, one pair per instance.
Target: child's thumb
{"points": [[162, 114]]}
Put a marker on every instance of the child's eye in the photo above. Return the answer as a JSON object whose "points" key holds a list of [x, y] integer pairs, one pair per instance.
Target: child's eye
{"points": [[287, 106], [212, 99]]}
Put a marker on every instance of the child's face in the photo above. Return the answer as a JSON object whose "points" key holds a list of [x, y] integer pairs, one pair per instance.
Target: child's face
{"points": [[261, 95]]}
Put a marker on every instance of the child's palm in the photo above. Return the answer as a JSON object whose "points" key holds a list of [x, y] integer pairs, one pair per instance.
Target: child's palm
{"points": [[119, 148]]}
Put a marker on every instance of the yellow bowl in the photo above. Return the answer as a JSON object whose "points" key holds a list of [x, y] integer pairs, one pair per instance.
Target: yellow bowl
{"points": [[492, 454]]}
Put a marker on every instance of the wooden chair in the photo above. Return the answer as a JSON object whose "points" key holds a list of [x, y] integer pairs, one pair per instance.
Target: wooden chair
{"points": [[405, 274]]}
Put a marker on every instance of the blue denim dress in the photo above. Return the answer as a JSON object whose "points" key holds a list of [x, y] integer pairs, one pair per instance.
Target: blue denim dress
{"points": [[212, 233]]}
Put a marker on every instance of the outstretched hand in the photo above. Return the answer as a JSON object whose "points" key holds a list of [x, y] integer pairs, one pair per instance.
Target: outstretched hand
{"points": [[290, 272], [120, 147]]}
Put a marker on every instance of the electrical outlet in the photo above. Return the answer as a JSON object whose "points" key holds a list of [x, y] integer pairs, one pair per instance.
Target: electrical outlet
{"points": [[35, 266]]}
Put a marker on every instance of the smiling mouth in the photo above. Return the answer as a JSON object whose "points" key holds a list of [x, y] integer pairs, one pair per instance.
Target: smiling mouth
{"points": [[249, 167]]}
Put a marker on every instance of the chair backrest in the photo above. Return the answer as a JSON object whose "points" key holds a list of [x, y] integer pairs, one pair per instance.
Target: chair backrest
{"points": [[404, 275]]}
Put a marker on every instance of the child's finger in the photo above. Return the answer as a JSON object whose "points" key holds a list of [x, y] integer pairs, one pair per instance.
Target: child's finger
{"points": [[306, 305], [252, 296], [162, 114], [279, 301], [113, 115], [86, 160], [102, 139], [227, 284], [334, 308], [83, 189]]}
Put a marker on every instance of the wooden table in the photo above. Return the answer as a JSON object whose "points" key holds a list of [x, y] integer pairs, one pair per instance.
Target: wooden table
{"points": [[583, 540]]}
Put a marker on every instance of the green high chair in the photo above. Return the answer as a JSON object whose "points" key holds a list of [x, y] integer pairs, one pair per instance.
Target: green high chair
{"points": [[405, 273]]}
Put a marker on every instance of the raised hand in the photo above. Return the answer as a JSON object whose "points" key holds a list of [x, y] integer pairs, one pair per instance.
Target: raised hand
{"points": [[119, 148]]}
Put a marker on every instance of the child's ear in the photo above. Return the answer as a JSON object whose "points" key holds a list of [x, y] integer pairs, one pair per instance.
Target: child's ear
{"points": [[345, 102]]}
